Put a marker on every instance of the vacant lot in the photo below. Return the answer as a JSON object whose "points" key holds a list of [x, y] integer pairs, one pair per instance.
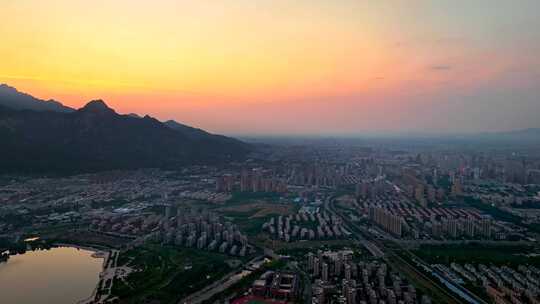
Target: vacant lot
{"points": [[250, 210], [258, 209]]}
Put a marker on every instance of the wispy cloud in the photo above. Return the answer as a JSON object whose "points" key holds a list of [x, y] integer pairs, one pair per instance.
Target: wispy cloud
{"points": [[440, 67]]}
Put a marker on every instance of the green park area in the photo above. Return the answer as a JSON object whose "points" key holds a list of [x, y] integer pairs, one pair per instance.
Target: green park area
{"points": [[495, 212], [502, 215], [479, 253], [167, 274]]}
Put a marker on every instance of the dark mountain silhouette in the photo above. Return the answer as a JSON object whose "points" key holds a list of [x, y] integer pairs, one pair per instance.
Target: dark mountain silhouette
{"points": [[185, 128], [95, 138], [11, 98], [196, 134]]}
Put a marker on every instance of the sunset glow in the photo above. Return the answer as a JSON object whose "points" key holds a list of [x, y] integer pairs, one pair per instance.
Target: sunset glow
{"points": [[273, 67]]}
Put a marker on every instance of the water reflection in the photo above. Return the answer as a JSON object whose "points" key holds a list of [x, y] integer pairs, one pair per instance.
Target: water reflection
{"points": [[61, 275]]}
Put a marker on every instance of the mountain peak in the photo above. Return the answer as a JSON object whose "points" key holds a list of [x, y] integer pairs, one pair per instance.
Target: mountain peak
{"points": [[134, 115], [97, 106], [7, 87]]}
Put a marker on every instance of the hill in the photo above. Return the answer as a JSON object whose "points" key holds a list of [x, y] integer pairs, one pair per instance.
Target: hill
{"points": [[185, 128], [95, 137], [11, 98]]}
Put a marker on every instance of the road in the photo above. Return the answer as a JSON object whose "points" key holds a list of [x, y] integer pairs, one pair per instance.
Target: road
{"points": [[390, 257], [218, 286]]}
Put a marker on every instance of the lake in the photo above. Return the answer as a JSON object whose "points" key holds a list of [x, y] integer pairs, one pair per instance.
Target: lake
{"points": [[61, 275]]}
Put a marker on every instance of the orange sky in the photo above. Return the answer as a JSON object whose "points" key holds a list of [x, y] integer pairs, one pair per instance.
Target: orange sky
{"points": [[269, 67]]}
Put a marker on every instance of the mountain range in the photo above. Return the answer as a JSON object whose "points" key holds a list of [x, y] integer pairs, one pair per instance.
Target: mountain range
{"points": [[46, 136], [12, 98]]}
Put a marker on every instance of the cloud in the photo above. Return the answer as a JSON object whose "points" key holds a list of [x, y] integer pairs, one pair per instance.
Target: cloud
{"points": [[440, 67]]}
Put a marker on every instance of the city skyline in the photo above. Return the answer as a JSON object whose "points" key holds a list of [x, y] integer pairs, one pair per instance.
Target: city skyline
{"points": [[312, 67]]}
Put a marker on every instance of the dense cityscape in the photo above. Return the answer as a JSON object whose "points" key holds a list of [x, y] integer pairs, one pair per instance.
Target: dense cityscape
{"points": [[269, 152], [325, 222]]}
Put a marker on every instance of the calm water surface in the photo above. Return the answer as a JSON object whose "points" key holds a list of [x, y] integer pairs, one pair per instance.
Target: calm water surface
{"points": [[62, 275]]}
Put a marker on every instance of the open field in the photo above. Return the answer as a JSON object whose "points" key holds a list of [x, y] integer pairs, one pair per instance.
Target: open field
{"points": [[346, 202], [258, 209], [246, 197], [250, 210]]}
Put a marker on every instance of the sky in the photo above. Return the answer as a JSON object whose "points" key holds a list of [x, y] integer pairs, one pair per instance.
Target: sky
{"points": [[274, 67]]}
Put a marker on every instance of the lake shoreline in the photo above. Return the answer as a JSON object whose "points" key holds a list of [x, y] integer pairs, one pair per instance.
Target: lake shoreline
{"points": [[91, 252], [98, 253]]}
